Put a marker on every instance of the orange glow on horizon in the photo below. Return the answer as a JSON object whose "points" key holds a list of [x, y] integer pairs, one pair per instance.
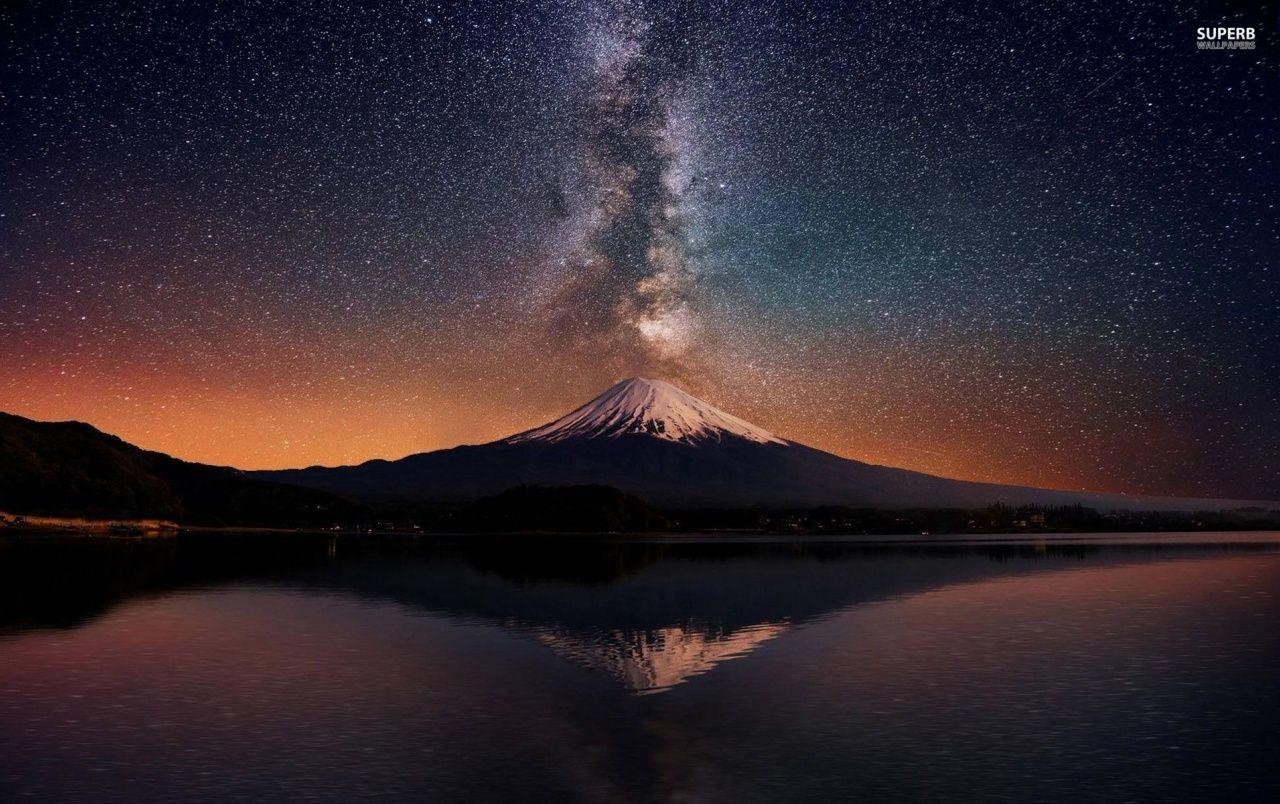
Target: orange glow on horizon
{"points": [[329, 421]]}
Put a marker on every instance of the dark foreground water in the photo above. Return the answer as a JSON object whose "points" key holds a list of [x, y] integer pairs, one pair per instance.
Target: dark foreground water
{"points": [[269, 668]]}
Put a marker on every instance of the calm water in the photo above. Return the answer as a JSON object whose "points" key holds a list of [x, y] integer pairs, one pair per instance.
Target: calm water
{"points": [[263, 668]]}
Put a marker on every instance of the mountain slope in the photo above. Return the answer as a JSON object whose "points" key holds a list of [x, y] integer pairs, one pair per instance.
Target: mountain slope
{"points": [[73, 469], [647, 407], [648, 438]]}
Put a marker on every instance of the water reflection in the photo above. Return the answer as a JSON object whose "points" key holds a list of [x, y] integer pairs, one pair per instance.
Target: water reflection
{"points": [[652, 661], [649, 615], [213, 669]]}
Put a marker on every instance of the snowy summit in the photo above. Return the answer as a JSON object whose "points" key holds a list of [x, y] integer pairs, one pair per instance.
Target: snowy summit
{"points": [[647, 407]]}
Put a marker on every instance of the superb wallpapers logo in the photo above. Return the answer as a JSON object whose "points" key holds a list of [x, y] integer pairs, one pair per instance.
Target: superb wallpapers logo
{"points": [[1225, 37]]}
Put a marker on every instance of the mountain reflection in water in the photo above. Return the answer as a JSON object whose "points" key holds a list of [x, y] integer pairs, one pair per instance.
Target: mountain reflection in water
{"points": [[222, 667], [650, 615], [655, 660]]}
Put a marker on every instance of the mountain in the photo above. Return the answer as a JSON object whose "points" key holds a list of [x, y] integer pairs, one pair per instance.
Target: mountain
{"points": [[648, 408], [70, 469], [649, 438]]}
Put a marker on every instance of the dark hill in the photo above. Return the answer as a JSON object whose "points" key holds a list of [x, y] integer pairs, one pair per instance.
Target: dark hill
{"points": [[74, 470]]}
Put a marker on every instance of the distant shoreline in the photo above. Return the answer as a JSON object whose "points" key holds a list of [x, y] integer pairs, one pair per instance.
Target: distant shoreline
{"points": [[61, 524], [111, 529]]}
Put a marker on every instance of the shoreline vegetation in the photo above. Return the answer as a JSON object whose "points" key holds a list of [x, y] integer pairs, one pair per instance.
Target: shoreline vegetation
{"points": [[552, 510], [74, 524]]}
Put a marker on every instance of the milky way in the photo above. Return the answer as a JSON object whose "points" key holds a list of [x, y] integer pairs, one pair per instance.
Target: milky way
{"points": [[629, 275], [983, 240]]}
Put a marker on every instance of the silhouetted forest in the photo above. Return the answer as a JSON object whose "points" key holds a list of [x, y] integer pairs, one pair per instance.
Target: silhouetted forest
{"points": [[992, 519], [605, 509], [557, 508]]}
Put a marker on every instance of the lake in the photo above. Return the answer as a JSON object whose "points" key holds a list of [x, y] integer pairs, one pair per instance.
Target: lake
{"points": [[318, 668]]}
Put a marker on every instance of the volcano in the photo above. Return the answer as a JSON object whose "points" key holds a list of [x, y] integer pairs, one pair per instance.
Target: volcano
{"points": [[649, 438], [649, 408]]}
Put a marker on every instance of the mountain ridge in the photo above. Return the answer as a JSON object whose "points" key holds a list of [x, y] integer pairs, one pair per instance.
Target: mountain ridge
{"points": [[71, 468], [648, 438]]}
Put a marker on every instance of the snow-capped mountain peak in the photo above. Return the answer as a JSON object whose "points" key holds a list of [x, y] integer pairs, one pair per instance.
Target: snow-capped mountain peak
{"points": [[654, 408]]}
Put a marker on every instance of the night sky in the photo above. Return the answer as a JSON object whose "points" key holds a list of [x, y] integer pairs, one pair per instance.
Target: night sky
{"points": [[1023, 242]]}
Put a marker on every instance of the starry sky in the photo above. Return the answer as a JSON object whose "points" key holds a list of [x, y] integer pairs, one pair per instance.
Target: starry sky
{"points": [[1026, 242]]}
